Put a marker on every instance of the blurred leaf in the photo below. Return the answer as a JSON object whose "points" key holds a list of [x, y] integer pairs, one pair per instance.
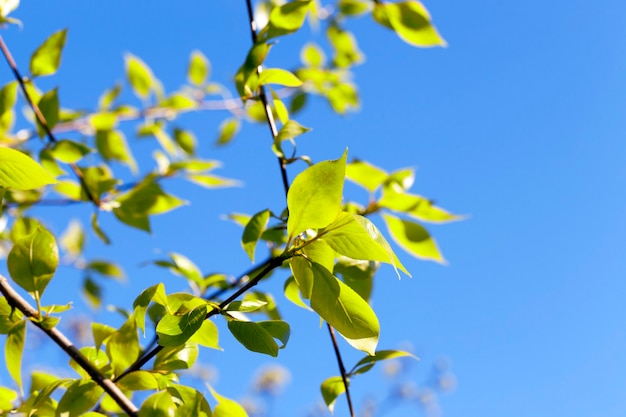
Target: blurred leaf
{"points": [[185, 140], [47, 58], [253, 231], [21, 172], [347, 52], [366, 175], [314, 199], [279, 76], [226, 407], [345, 310], [97, 230], [367, 362], [413, 238], [49, 106], [108, 97], [212, 181], [122, 346], [7, 397], [68, 151], [410, 20], [108, 269], [331, 389], [33, 261], [73, 239], [95, 356], [415, 206], [13, 351], [198, 68], [139, 76], [312, 56], [227, 131], [112, 146], [285, 19], [354, 7]]}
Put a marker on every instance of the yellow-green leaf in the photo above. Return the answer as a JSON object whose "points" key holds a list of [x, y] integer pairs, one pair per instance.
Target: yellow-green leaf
{"points": [[413, 238], [411, 21], [279, 76], [139, 76], [21, 172], [46, 59], [332, 388], [33, 261], [198, 68]]}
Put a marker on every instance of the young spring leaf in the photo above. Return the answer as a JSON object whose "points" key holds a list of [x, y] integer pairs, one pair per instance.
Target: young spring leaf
{"points": [[413, 238], [7, 397], [285, 19], [314, 199], [33, 261], [356, 237], [49, 106], [46, 59], [20, 172], [366, 175], [227, 131], [191, 403], [176, 329], [253, 231], [279, 76], [259, 337], [80, 397], [160, 404], [206, 335], [69, 151], [345, 310], [331, 389], [173, 358], [415, 206], [410, 20], [139, 76], [112, 146], [13, 350], [226, 407], [122, 346], [290, 130], [198, 70], [368, 362]]}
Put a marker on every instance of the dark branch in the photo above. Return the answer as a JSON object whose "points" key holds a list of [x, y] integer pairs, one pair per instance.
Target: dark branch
{"points": [[342, 368]]}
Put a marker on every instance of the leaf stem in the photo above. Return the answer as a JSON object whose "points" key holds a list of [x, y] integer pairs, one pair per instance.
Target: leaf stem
{"points": [[16, 300], [41, 119], [342, 369]]}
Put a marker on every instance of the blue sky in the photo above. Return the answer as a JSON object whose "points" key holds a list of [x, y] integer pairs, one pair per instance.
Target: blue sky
{"points": [[519, 124]]}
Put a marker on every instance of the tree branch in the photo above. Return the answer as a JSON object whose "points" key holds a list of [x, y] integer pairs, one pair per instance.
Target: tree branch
{"points": [[17, 301], [342, 368], [41, 119]]}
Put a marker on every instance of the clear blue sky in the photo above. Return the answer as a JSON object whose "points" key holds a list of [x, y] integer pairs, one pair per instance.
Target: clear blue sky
{"points": [[519, 123]]}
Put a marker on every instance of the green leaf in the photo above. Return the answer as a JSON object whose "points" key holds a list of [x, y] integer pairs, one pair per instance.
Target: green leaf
{"points": [[140, 381], [73, 238], [192, 402], [358, 275], [173, 358], [285, 19], [68, 151], [227, 131], [13, 350], [347, 52], [175, 329], [292, 293], [253, 231], [331, 389], [312, 56], [259, 337], [112, 146], [139, 76], [97, 230], [291, 130], [302, 271], [185, 140], [226, 407], [123, 346], [49, 106], [108, 269], [198, 68], [413, 238], [181, 265], [154, 293], [7, 397], [248, 69], [212, 181], [33, 261], [79, 398], [20, 172], [314, 199], [46, 59], [366, 175], [108, 97], [415, 206], [206, 335], [357, 237], [159, 404], [246, 306], [367, 362], [101, 332], [8, 98], [279, 76], [354, 7], [411, 21], [345, 310]]}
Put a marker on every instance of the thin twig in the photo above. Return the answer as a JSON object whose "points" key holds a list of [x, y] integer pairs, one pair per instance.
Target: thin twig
{"points": [[41, 119], [263, 97], [17, 301], [342, 368], [267, 266]]}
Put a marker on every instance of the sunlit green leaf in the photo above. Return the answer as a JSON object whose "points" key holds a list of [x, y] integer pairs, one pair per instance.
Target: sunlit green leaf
{"points": [[175, 329], [226, 407], [292, 293], [332, 388], [69, 151], [410, 20], [159, 404], [108, 97], [101, 332], [253, 231], [206, 335], [347, 52], [211, 181], [139, 76], [198, 70], [7, 397], [366, 175], [192, 402], [46, 59], [367, 362], [33, 261], [354, 7], [14, 349], [20, 172], [112, 146], [49, 106], [302, 271], [413, 238], [154, 293], [345, 310], [227, 131], [357, 237], [290, 130], [279, 76], [80, 397], [172, 358], [123, 346], [185, 140], [357, 274], [312, 55], [73, 238], [415, 206], [140, 381], [314, 199], [285, 19], [106, 268]]}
